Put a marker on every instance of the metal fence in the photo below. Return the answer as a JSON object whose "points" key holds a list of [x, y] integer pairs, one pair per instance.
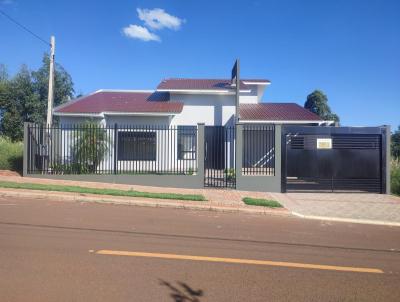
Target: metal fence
{"points": [[219, 159], [94, 149], [258, 150]]}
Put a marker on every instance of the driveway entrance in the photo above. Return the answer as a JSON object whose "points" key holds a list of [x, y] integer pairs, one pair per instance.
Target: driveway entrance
{"points": [[361, 207], [334, 159]]}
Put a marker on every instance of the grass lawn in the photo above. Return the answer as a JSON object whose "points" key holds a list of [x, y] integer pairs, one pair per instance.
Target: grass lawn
{"points": [[10, 155], [113, 192], [261, 202]]}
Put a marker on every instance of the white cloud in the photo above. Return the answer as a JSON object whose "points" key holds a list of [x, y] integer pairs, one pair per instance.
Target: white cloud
{"points": [[140, 32], [157, 19]]}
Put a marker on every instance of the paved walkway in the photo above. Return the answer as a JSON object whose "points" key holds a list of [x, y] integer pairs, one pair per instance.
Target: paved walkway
{"points": [[351, 207], [217, 199], [360, 207]]}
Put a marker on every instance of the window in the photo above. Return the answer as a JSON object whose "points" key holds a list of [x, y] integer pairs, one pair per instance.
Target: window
{"points": [[187, 142], [137, 146]]}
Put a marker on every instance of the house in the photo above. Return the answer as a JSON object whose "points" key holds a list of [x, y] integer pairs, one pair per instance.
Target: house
{"points": [[185, 133], [185, 102], [180, 104]]}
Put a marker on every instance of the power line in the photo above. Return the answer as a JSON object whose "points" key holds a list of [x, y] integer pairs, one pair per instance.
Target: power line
{"points": [[24, 28]]}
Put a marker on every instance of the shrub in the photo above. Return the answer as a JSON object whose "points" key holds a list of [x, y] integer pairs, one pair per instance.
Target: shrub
{"points": [[11, 157], [261, 202], [230, 174], [395, 177], [90, 148]]}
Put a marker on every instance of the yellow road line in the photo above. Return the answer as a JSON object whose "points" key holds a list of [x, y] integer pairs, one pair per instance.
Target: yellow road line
{"points": [[242, 261]]}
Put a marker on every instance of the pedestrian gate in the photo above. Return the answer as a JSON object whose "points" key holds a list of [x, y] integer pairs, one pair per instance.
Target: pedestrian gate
{"points": [[334, 159], [219, 157]]}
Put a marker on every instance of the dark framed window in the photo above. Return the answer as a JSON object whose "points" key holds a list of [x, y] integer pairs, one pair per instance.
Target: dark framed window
{"points": [[187, 142], [137, 145]]}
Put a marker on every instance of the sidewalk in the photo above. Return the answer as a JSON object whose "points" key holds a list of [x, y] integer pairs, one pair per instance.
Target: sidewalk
{"points": [[217, 200], [367, 208]]}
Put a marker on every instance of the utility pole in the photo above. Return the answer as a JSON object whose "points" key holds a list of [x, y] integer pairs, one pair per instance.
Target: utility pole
{"points": [[50, 97]]}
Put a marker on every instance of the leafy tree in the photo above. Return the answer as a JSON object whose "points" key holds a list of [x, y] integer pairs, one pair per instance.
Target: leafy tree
{"points": [[3, 73], [63, 85], [395, 146], [19, 103], [317, 102], [23, 98]]}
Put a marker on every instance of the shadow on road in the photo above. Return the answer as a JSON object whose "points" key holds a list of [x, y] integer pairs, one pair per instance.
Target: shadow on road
{"points": [[183, 292]]}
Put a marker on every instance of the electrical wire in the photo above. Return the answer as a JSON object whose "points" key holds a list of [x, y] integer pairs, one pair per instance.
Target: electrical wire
{"points": [[24, 28]]}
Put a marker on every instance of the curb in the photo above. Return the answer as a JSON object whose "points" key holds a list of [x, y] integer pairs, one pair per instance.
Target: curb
{"points": [[103, 199], [338, 219]]}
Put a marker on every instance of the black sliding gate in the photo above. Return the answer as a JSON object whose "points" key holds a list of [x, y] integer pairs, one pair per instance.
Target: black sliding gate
{"points": [[334, 159], [219, 157]]}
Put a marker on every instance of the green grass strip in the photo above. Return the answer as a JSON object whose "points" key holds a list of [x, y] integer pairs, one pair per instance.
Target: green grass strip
{"points": [[99, 191], [262, 202]]}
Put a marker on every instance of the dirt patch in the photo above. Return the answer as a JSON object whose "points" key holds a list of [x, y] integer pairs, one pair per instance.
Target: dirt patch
{"points": [[8, 173]]}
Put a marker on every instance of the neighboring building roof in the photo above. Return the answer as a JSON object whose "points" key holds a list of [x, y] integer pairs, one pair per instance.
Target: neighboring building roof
{"points": [[276, 112], [121, 101], [202, 84]]}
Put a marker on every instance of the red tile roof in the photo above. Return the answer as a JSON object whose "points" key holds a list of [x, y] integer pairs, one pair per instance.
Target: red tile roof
{"points": [[198, 84], [118, 101], [276, 112]]}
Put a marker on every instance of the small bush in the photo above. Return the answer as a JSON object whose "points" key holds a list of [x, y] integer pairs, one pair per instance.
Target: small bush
{"points": [[395, 177], [261, 202], [11, 157], [230, 174]]}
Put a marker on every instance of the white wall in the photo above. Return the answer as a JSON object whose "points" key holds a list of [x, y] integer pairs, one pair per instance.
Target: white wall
{"points": [[208, 109], [137, 120], [76, 120], [249, 97]]}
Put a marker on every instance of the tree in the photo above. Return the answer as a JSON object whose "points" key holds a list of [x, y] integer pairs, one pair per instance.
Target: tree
{"points": [[317, 102], [23, 98], [19, 103], [3, 73], [63, 85], [395, 145]]}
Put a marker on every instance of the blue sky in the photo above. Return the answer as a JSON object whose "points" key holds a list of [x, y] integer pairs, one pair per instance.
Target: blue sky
{"points": [[350, 49]]}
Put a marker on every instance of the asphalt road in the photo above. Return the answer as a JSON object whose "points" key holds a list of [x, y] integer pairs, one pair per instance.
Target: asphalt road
{"points": [[67, 251]]}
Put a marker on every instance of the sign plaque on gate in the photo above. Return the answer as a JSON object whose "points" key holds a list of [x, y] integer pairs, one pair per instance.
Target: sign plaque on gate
{"points": [[324, 143]]}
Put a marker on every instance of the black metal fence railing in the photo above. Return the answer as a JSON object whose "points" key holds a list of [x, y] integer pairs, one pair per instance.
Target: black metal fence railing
{"points": [[258, 150], [219, 159], [94, 149]]}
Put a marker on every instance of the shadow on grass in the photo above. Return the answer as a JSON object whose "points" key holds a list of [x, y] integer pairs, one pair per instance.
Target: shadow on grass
{"points": [[182, 292]]}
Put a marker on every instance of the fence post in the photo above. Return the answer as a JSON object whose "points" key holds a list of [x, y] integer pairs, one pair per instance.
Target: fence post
{"points": [[115, 148], [200, 151], [388, 159], [238, 153], [278, 156], [25, 154]]}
